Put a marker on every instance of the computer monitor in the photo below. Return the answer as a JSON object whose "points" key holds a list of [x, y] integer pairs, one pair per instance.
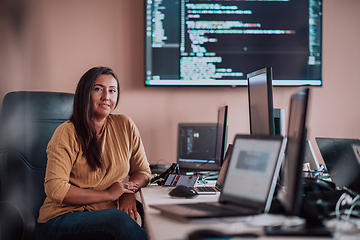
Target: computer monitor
{"points": [[216, 43], [291, 193], [221, 136], [260, 94], [196, 147]]}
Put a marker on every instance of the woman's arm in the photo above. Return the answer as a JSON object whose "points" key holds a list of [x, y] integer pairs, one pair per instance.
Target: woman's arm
{"points": [[127, 202], [80, 196], [140, 179]]}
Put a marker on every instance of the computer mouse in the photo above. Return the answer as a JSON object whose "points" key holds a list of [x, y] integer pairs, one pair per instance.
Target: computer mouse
{"points": [[183, 192], [209, 233]]}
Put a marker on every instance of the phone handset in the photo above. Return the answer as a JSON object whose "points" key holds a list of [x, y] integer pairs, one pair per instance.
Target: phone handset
{"points": [[174, 168]]}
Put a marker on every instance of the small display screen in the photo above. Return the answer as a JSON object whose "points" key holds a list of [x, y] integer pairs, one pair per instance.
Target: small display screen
{"points": [[179, 179]]}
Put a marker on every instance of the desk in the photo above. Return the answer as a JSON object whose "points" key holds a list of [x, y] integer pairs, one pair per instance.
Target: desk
{"points": [[160, 227], [163, 228]]}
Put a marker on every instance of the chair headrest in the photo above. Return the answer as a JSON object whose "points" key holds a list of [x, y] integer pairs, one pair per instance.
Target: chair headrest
{"points": [[37, 105], [28, 121]]}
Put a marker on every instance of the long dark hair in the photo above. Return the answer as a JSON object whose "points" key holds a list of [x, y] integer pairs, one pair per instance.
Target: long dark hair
{"points": [[82, 116]]}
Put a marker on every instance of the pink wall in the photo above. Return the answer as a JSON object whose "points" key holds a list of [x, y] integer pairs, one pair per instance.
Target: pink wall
{"points": [[50, 44]]}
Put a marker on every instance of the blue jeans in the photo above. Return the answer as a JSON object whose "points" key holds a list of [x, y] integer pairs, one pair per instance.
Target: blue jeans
{"points": [[91, 225]]}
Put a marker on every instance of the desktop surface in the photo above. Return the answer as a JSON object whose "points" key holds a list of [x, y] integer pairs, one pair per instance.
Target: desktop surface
{"points": [[161, 227]]}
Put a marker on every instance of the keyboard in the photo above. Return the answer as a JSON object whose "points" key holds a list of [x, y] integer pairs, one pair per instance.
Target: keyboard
{"points": [[221, 209], [200, 189], [205, 207]]}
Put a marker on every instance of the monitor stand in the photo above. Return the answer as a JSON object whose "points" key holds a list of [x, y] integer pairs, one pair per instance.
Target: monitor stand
{"points": [[279, 121]]}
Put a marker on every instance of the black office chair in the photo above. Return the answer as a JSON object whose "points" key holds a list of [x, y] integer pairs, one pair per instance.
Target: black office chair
{"points": [[27, 122]]}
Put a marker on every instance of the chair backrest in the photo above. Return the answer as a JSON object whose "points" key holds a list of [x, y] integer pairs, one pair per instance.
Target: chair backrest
{"points": [[27, 122]]}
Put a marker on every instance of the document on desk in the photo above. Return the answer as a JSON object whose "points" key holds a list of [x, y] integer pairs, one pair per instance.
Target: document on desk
{"points": [[249, 183]]}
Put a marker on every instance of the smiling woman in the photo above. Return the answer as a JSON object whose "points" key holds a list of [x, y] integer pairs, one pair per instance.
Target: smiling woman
{"points": [[89, 158]]}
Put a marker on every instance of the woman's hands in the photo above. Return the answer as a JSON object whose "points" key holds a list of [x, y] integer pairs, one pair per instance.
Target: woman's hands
{"points": [[118, 189], [124, 191], [127, 203]]}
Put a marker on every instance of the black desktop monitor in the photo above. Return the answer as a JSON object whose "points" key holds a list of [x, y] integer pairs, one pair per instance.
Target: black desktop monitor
{"points": [[221, 136], [196, 147], [260, 94], [291, 193]]}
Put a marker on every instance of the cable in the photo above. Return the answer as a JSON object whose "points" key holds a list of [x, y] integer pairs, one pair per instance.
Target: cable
{"points": [[353, 205], [355, 199], [344, 224], [340, 201]]}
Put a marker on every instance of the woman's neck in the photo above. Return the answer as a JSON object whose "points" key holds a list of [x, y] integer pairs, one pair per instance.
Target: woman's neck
{"points": [[99, 123]]}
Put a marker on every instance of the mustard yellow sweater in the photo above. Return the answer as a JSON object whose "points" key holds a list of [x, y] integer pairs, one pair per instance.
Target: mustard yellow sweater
{"points": [[123, 154]]}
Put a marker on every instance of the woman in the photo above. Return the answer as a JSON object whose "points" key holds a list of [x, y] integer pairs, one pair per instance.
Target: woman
{"points": [[89, 158]]}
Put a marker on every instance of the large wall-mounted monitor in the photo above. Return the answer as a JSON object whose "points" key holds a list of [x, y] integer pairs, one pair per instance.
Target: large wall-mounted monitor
{"points": [[217, 43]]}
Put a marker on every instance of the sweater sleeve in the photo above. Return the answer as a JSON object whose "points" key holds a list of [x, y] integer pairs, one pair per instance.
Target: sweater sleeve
{"points": [[138, 160], [61, 154]]}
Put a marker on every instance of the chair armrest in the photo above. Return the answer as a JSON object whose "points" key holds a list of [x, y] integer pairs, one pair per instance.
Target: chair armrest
{"points": [[140, 208]]}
